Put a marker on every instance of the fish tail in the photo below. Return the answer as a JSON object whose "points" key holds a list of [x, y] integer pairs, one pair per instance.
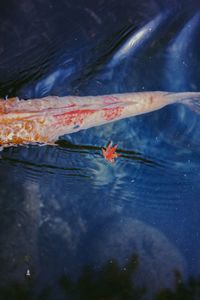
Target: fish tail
{"points": [[191, 99]]}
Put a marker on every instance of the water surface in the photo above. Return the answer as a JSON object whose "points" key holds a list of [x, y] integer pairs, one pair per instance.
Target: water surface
{"points": [[74, 226]]}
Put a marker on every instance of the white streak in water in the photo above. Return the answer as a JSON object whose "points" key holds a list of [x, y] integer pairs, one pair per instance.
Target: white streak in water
{"points": [[138, 39], [179, 54]]}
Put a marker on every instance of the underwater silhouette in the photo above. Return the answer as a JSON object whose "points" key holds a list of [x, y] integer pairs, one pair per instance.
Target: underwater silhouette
{"points": [[110, 282]]}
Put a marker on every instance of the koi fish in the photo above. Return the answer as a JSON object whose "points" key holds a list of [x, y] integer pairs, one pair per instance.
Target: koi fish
{"points": [[44, 120], [109, 153]]}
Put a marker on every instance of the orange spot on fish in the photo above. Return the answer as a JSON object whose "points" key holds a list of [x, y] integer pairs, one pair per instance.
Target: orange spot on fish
{"points": [[75, 117], [112, 113], [110, 152]]}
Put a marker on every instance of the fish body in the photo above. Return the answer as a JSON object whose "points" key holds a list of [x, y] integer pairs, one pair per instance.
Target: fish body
{"points": [[44, 120]]}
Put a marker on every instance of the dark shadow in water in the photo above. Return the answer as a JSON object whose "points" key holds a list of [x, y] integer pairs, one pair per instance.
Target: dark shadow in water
{"points": [[129, 154], [24, 291], [50, 168], [110, 282], [183, 291], [102, 55]]}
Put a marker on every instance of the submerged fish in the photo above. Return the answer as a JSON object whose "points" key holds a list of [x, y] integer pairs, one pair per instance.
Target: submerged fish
{"points": [[44, 120]]}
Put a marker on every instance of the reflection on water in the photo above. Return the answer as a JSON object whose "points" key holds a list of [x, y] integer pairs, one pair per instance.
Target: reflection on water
{"points": [[72, 225]]}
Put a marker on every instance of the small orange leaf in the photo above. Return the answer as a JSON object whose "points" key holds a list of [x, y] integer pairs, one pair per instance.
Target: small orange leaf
{"points": [[109, 153]]}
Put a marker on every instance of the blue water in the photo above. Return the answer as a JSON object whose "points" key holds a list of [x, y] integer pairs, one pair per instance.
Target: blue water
{"points": [[72, 225]]}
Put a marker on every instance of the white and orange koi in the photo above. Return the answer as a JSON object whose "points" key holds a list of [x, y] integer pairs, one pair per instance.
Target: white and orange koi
{"points": [[44, 120]]}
